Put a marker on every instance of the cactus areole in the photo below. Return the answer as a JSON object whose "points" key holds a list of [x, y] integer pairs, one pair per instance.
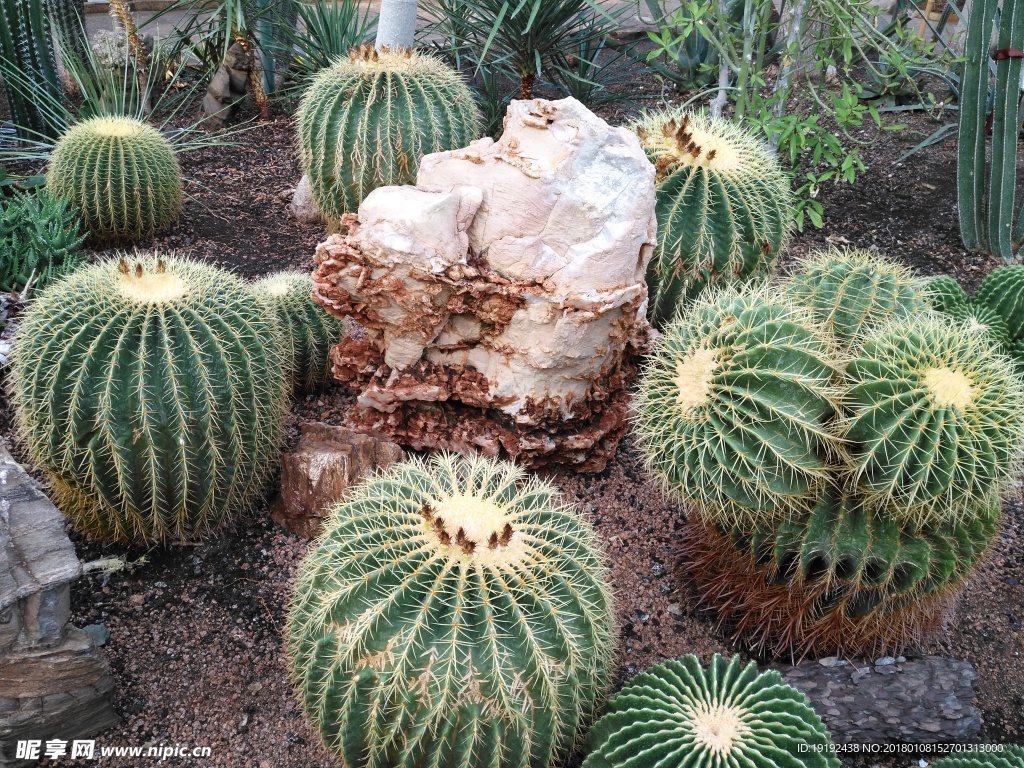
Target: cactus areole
{"points": [[452, 613]]}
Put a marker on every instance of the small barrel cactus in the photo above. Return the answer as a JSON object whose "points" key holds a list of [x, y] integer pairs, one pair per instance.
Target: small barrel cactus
{"points": [[120, 175], [723, 206], [731, 409], [452, 613], [307, 331], [152, 391], [979, 318], [936, 420], [848, 290], [840, 579], [727, 716], [366, 122], [945, 294], [1003, 291], [994, 756]]}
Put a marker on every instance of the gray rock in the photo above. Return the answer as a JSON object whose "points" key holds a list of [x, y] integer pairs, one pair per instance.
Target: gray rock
{"points": [[302, 207], [99, 633]]}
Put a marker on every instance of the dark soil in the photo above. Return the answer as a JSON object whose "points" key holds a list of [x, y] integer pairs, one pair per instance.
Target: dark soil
{"points": [[196, 631]]}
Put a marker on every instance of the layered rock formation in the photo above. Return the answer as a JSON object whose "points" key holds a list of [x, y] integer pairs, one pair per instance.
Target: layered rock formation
{"points": [[503, 295]]}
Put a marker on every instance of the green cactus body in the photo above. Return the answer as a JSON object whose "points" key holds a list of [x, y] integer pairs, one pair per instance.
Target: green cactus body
{"points": [[722, 204], [1003, 291], [727, 716], [452, 614], [979, 318], [732, 407], [366, 122], [849, 290], [841, 578], [153, 393], [999, 756], [307, 331], [121, 176], [936, 419], [945, 294]]}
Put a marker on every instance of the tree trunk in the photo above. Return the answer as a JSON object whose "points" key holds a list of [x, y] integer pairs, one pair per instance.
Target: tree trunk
{"points": [[397, 24]]}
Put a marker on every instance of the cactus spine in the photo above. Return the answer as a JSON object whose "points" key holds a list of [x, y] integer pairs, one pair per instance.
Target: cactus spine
{"points": [[307, 331], [152, 392], [677, 713], [366, 122], [732, 407], [121, 176], [723, 206], [452, 613], [849, 290]]}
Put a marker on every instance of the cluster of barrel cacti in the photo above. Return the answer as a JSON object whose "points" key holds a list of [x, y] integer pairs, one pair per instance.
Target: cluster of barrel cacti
{"points": [[843, 449]]}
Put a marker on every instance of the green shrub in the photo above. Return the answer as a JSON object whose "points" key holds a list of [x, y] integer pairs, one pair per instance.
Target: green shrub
{"points": [[366, 122], [307, 331], [723, 206], [677, 713], [732, 407], [849, 290], [120, 175], [39, 239], [152, 392], [453, 613]]}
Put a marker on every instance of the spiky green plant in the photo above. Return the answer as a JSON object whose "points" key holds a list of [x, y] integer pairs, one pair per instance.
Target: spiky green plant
{"points": [[152, 392], [732, 407], [26, 47], [723, 206], [848, 290], [935, 423], [945, 294], [1002, 290], [307, 331], [979, 318], [121, 176], [452, 613], [839, 579], [1000, 756], [366, 122], [726, 716], [39, 239]]}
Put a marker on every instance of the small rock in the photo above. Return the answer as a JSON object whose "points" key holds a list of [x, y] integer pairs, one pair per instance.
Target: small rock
{"points": [[642, 615], [255, 687], [243, 723], [658, 569], [137, 600], [831, 661], [99, 633], [885, 661], [675, 609]]}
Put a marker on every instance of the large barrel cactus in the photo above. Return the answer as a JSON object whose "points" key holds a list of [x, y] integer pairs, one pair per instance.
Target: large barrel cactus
{"points": [[453, 613], [723, 206], [848, 290], [121, 176], [152, 391], [727, 716], [840, 579], [935, 420], [993, 756], [366, 122], [732, 407], [307, 331]]}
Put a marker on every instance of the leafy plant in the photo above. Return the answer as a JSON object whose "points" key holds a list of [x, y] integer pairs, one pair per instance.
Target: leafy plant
{"points": [[367, 121], [326, 31], [678, 713], [307, 332], [528, 38], [722, 205], [39, 239], [151, 390], [453, 612]]}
